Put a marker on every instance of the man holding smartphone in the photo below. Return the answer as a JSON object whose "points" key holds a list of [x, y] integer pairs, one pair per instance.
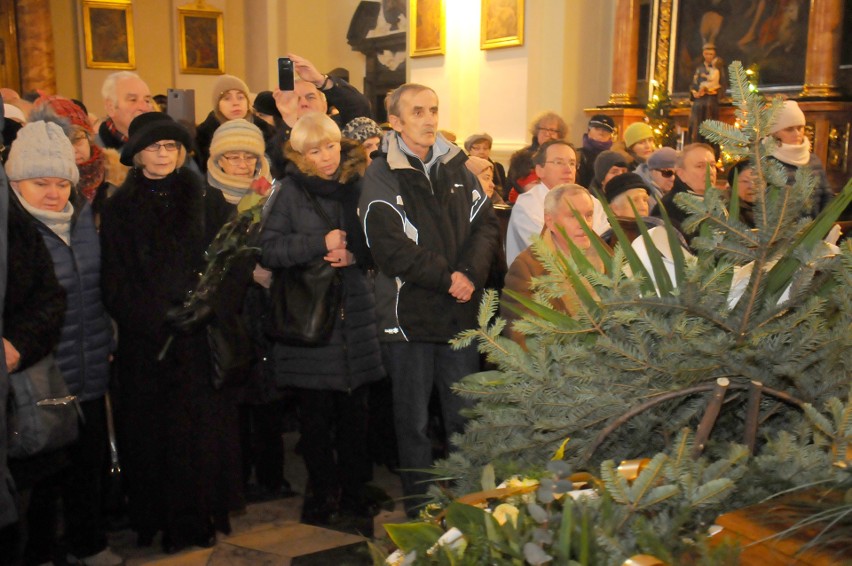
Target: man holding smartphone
{"points": [[312, 92]]}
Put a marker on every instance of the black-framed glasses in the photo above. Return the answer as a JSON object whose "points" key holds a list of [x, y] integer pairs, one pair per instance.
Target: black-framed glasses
{"points": [[168, 146], [666, 173]]}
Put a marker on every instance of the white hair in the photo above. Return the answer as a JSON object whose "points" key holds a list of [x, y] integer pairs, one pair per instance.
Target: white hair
{"points": [[108, 88]]}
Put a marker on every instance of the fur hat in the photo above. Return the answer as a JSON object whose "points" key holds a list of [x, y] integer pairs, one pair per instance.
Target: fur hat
{"points": [[636, 132], [603, 122], [361, 129], [236, 135], [477, 165], [225, 83], [606, 160], [265, 103], [663, 158], [468, 143], [621, 184], [789, 115], [149, 128], [42, 150]]}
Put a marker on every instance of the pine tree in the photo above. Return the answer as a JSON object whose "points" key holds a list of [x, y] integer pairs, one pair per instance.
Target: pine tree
{"points": [[658, 112], [647, 336]]}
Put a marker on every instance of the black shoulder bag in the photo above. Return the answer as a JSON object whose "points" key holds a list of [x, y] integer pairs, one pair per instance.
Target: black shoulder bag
{"points": [[306, 298]]}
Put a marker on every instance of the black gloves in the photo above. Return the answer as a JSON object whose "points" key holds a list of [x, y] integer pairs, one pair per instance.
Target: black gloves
{"points": [[187, 320]]}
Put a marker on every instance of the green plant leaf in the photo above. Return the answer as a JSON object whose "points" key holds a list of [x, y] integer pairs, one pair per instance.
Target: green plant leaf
{"points": [[411, 536]]}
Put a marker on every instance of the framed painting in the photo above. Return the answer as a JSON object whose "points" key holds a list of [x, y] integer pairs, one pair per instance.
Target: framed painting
{"points": [[502, 23], [108, 35], [771, 37], [427, 27], [202, 40]]}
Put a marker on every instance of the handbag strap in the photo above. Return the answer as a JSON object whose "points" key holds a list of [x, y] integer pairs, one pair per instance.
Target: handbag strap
{"points": [[319, 209]]}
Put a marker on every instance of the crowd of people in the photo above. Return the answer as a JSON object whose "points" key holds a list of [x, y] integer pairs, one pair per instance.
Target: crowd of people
{"points": [[107, 231]]}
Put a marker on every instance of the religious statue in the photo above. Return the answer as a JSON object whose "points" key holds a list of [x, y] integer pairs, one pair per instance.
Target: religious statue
{"points": [[706, 89]]}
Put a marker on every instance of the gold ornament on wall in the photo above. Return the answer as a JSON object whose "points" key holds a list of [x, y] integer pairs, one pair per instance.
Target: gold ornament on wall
{"points": [[428, 29], [202, 39], [108, 34], [502, 23]]}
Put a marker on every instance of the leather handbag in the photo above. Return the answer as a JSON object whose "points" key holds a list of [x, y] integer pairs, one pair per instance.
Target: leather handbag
{"points": [[306, 299], [231, 351], [42, 415]]}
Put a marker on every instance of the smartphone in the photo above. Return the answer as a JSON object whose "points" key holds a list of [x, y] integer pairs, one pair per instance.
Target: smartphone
{"points": [[285, 73]]}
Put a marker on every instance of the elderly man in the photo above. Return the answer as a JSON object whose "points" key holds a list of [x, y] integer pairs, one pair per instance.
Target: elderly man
{"points": [[312, 92], [125, 96], [597, 139], [559, 206], [432, 233], [555, 164], [694, 168]]}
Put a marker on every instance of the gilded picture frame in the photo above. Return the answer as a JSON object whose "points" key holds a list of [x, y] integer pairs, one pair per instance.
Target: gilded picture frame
{"points": [[502, 24], [772, 39], [427, 28], [108, 35], [202, 40]]}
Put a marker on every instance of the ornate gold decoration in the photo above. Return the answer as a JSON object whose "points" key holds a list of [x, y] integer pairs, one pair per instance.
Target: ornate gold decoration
{"points": [[838, 147], [507, 31], [620, 98], [664, 35], [202, 39], [108, 34]]}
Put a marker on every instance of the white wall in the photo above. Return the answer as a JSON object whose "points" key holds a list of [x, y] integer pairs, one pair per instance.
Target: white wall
{"points": [[565, 65]]}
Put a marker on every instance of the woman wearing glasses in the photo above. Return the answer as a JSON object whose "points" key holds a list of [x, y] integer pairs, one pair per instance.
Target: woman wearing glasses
{"points": [[178, 435]]}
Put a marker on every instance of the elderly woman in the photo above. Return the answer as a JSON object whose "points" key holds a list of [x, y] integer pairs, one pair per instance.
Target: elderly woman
{"points": [[43, 175], [324, 174], [180, 445], [34, 308], [238, 168]]}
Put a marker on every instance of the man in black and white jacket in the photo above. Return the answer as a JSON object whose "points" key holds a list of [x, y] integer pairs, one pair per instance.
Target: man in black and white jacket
{"points": [[432, 233]]}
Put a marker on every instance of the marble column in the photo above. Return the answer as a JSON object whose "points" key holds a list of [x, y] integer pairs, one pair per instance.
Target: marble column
{"points": [[35, 45], [625, 61], [825, 27]]}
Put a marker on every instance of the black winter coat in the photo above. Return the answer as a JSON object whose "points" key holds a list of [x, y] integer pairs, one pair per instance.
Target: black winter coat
{"points": [[179, 435], [86, 341], [421, 228], [35, 303], [294, 234]]}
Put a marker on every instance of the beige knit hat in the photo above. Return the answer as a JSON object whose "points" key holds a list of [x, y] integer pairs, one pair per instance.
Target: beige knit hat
{"points": [[42, 150], [236, 135], [789, 115], [225, 83]]}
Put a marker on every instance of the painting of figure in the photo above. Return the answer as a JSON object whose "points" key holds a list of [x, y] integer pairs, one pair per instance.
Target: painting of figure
{"points": [[502, 23], [108, 36], [427, 27], [201, 42], [771, 34]]}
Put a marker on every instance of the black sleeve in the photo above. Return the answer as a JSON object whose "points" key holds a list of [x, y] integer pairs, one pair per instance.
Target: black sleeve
{"points": [[348, 101], [35, 302]]}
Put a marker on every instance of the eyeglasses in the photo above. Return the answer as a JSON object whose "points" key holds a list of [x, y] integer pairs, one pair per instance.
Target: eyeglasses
{"points": [[550, 131], [666, 173], [168, 146], [236, 158], [563, 163]]}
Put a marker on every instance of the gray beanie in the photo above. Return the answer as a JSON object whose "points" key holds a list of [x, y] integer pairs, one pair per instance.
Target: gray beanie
{"points": [[606, 160], [42, 150]]}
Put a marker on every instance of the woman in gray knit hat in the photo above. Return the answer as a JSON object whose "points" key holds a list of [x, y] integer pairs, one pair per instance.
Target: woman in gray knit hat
{"points": [[43, 175]]}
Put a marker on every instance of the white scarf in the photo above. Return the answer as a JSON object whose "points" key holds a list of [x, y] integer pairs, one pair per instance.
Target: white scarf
{"points": [[58, 222], [794, 154]]}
